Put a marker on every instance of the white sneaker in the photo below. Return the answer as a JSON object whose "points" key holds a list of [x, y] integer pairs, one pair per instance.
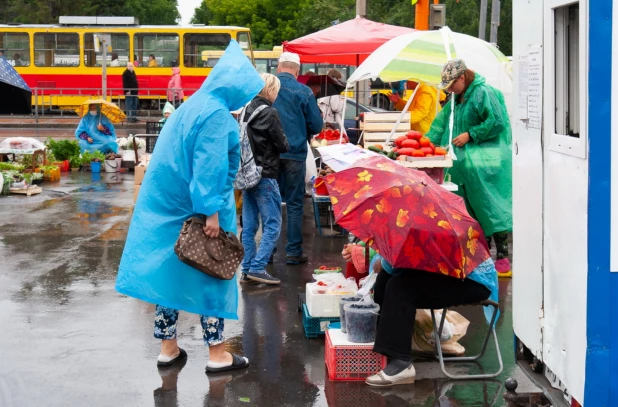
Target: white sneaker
{"points": [[383, 380]]}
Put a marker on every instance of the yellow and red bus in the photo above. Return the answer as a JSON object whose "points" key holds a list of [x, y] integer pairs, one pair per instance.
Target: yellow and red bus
{"points": [[62, 66]]}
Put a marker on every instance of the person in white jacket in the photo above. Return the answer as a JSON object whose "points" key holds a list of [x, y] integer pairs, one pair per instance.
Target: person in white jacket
{"points": [[332, 106]]}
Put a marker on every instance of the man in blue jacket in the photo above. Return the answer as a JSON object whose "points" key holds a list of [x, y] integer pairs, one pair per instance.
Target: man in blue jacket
{"points": [[301, 119]]}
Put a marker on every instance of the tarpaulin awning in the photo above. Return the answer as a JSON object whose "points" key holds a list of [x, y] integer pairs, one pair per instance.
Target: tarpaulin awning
{"points": [[348, 43], [15, 95]]}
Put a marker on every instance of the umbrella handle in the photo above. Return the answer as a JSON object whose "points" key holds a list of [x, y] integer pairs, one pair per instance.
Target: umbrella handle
{"points": [[451, 152], [403, 113]]}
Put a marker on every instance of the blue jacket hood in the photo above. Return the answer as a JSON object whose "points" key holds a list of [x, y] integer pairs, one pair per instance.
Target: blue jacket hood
{"points": [[233, 80]]}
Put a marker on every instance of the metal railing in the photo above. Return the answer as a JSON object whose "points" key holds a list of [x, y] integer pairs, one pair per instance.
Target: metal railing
{"points": [[43, 98], [46, 99]]}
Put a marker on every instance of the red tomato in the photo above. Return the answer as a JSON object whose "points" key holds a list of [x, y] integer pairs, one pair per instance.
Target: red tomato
{"points": [[406, 151], [395, 149], [410, 144], [400, 140], [431, 145], [440, 151], [414, 135], [418, 153], [425, 142], [427, 150]]}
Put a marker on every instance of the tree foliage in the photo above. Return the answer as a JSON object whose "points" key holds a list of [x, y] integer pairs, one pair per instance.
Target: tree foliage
{"points": [[271, 21], [275, 21], [48, 11]]}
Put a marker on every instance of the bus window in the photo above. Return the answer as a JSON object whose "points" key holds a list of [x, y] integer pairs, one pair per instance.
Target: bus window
{"points": [[56, 49], [261, 65], [120, 48], [305, 68], [16, 48], [244, 41], [197, 47], [163, 47]]}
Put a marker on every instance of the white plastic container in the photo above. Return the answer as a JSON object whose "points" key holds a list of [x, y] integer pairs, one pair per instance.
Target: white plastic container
{"points": [[322, 305]]}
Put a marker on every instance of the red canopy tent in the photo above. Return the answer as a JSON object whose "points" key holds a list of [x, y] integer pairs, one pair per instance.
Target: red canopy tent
{"points": [[348, 43]]}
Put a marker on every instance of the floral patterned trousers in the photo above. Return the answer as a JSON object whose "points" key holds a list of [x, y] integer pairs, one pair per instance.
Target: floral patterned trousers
{"points": [[165, 326]]}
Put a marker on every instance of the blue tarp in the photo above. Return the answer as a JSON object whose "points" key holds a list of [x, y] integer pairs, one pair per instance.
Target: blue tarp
{"points": [[15, 94]]}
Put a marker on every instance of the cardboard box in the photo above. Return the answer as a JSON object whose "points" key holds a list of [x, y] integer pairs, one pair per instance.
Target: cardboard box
{"points": [[140, 171], [136, 193]]}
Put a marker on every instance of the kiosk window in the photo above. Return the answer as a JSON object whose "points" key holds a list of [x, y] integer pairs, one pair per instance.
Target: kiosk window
{"points": [[567, 73]]}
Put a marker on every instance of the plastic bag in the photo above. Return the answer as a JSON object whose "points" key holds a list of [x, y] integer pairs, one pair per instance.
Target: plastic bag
{"points": [[24, 145], [448, 329], [424, 337], [311, 171], [367, 284]]}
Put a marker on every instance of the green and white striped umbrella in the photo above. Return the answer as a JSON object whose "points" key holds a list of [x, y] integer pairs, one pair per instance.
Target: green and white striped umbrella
{"points": [[420, 56]]}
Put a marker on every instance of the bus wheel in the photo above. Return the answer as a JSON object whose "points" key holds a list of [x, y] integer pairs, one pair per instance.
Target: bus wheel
{"points": [[381, 101]]}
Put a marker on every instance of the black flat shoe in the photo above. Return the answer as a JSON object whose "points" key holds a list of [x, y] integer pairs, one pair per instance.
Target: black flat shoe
{"points": [[181, 356], [238, 362]]}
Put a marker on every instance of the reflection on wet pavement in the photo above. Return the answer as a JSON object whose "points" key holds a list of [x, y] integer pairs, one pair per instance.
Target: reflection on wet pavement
{"points": [[74, 341]]}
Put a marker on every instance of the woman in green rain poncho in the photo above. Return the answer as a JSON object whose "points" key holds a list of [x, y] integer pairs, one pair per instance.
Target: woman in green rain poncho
{"points": [[482, 144]]}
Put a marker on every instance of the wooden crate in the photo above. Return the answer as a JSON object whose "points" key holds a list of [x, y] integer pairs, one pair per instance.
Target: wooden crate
{"points": [[427, 162], [378, 126], [31, 190]]}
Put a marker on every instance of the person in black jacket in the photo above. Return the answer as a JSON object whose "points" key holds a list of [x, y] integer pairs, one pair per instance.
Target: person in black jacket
{"points": [[130, 85], [268, 142]]}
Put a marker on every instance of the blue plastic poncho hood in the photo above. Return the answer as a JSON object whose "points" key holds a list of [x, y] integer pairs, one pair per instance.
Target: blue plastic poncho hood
{"points": [[223, 81], [104, 141], [191, 172]]}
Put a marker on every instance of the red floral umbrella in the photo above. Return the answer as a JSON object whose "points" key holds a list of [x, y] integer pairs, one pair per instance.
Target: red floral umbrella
{"points": [[407, 218]]}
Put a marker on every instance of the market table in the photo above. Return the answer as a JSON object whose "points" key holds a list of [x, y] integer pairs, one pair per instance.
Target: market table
{"points": [[5, 152]]}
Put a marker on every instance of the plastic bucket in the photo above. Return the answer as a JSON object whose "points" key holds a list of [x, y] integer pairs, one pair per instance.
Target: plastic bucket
{"points": [[111, 166], [320, 186], [361, 319], [95, 166], [118, 164], [128, 155], [342, 302]]}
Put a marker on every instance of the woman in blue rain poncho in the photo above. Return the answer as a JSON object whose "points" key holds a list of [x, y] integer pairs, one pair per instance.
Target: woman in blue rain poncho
{"points": [[191, 172], [96, 133]]}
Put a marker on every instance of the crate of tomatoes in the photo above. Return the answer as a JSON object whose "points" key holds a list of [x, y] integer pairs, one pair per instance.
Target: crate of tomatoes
{"points": [[328, 137], [417, 151]]}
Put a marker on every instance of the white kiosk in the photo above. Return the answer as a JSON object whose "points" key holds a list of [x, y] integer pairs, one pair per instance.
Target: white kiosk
{"points": [[565, 185]]}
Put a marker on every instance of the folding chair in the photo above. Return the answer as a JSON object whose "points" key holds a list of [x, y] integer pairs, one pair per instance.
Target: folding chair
{"points": [[491, 331]]}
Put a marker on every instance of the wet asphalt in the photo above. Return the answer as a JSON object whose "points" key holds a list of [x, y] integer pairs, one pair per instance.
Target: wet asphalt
{"points": [[69, 339]]}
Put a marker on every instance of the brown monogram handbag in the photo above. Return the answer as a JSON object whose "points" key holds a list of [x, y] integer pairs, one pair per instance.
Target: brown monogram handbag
{"points": [[218, 257]]}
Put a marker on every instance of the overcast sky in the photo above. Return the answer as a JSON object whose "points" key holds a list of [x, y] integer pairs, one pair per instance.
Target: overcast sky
{"points": [[186, 8]]}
